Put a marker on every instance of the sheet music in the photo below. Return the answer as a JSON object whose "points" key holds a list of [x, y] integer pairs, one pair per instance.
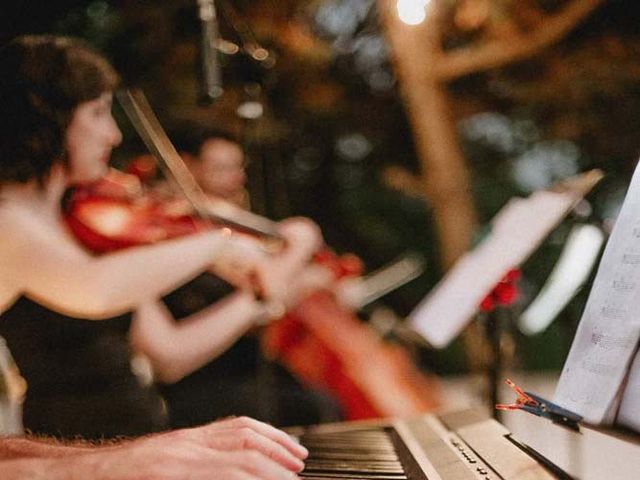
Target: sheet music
{"points": [[608, 333], [516, 232]]}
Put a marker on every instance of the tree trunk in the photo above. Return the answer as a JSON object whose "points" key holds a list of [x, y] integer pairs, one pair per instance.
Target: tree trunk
{"points": [[444, 174], [416, 52]]}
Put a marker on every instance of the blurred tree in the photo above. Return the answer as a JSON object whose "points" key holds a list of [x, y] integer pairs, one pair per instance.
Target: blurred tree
{"points": [[459, 38], [456, 39]]}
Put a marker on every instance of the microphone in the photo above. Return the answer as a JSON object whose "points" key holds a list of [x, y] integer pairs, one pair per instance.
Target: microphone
{"points": [[210, 73]]}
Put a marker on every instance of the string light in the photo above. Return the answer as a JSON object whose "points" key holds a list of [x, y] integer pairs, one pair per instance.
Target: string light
{"points": [[412, 12]]}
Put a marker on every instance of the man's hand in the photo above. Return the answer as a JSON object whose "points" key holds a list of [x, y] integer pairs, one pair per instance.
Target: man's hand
{"points": [[232, 449], [181, 460], [246, 434]]}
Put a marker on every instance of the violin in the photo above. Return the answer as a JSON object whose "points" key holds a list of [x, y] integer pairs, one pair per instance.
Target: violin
{"points": [[115, 212], [320, 341]]}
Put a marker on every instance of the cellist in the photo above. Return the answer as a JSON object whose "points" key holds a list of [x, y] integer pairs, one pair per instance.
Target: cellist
{"points": [[64, 312], [320, 340], [240, 380]]}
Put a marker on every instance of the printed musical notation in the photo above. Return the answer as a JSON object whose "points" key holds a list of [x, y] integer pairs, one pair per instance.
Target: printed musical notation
{"points": [[623, 285], [631, 259], [606, 342]]}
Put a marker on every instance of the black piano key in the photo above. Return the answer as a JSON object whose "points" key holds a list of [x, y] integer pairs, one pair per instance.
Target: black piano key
{"points": [[348, 448], [366, 454], [351, 466], [349, 454], [351, 476]]}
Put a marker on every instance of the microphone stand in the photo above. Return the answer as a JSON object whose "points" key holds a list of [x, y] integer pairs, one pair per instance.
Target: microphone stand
{"points": [[266, 381], [210, 74]]}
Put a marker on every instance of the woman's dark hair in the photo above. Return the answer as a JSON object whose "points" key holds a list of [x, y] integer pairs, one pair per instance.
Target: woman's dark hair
{"points": [[43, 79]]}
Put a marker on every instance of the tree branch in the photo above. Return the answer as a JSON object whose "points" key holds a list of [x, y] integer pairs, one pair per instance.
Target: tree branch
{"points": [[495, 54]]}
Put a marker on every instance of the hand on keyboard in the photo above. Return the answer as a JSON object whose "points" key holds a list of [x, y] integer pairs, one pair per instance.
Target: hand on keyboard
{"points": [[235, 448]]}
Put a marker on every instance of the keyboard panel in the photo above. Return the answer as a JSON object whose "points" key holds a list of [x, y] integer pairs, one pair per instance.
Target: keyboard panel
{"points": [[418, 449]]}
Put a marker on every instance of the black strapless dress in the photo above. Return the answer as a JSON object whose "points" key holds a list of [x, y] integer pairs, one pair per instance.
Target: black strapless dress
{"points": [[79, 377]]}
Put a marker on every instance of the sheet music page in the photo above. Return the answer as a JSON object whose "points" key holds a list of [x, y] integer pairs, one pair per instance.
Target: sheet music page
{"points": [[609, 329], [516, 232]]}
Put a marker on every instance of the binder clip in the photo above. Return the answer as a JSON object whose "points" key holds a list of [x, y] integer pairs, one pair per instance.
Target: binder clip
{"points": [[541, 407]]}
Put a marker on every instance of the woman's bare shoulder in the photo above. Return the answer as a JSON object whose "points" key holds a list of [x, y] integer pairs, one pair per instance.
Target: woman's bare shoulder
{"points": [[18, 225], [16, 230]]}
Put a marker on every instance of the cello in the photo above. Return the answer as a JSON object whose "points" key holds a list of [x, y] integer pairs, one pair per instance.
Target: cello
{"points": [[319, 341]]}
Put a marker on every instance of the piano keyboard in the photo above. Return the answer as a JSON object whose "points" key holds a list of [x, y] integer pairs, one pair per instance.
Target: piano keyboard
{"points": [[361, 453], [452, 447]]}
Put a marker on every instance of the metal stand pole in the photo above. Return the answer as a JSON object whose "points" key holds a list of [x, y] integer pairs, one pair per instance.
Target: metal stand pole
{"points": [[496, 327]]}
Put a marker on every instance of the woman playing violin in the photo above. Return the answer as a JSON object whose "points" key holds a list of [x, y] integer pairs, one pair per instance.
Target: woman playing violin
{"points": [[56, 129]]}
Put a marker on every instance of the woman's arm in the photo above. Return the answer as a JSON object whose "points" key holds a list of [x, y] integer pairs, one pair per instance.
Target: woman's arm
{"points": [[44, 263], [177, 349]]}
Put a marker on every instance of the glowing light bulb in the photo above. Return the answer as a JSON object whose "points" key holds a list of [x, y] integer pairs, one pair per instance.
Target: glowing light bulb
{"points": [[412, 12]]}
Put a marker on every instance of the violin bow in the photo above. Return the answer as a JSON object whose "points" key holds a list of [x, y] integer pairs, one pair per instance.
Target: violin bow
{"points": [[145, 122]]}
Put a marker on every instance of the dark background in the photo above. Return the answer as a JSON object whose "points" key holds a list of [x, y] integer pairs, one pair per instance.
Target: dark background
{"points": [[334, 122]]}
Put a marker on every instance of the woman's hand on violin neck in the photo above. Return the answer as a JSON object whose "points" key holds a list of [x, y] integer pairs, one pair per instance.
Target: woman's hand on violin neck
{"points": [[301, 235], [287, 276], [310, 278], [275, 283], [238, 260], [350, 292], [243, 261]]}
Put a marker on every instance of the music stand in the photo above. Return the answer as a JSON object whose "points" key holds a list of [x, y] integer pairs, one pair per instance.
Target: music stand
{"points": [[516, 232]]}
